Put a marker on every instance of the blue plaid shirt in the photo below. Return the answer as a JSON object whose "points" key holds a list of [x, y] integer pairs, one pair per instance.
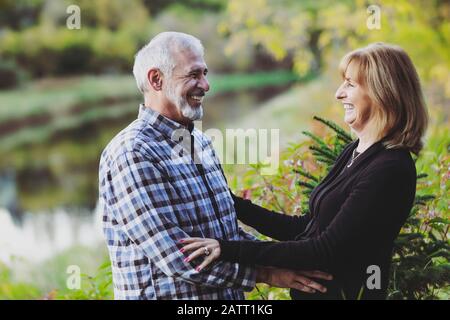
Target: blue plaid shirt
{"points": [[154, 192]]}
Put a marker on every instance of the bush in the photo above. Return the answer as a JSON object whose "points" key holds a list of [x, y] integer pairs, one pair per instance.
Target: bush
{"points": [[10, 74], [10, 289], [97, 287], [420, 268], [74, 59], [56, 51]]}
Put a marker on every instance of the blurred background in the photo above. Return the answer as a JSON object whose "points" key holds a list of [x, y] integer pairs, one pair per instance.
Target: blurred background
{"points": [[64, 93]]}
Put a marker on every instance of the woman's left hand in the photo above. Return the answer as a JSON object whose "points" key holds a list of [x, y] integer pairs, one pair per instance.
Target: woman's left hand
{"points": [[210, 248]]}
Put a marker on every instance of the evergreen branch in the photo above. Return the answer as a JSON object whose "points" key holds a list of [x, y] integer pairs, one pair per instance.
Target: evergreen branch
{"points": [[316, 139], [325, 153], [306, 174], [340, 132], [423, 199], [421, 176], [325, 161], [306, 184]]}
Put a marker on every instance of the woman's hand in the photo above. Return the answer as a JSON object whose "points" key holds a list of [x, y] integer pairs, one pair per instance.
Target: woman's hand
{"points": [[210, 248], [282, 278]]}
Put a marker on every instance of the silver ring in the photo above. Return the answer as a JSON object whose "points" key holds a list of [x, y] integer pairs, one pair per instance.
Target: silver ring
{"points": [[206, 251]]}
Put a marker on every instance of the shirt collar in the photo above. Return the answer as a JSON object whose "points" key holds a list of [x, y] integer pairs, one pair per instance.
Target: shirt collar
{"points": [[161, 123]]}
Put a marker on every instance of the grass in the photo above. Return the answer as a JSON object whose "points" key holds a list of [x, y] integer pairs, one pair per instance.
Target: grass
{"points": [[33, 113], [240, 81], [57, 96], [41, 133], [48, 279]]}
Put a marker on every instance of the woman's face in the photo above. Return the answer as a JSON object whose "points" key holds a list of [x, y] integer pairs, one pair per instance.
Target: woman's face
{"points": [[355, 100]]}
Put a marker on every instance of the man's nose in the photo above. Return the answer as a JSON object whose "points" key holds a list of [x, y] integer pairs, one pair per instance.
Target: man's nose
{"points": [[204, 84]]}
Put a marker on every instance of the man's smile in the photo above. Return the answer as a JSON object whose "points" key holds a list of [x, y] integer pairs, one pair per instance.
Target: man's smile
{"points": [[196, 99]]}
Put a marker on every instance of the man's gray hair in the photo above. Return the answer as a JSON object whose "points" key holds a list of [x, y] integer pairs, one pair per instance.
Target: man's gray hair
{"points": [[159, 53]]}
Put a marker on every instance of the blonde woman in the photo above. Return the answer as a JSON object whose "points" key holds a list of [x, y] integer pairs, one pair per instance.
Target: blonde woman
{"points": [[357, 211]]}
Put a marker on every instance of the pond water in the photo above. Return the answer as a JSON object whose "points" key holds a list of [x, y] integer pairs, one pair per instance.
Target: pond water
{"points": [[48, 190]]}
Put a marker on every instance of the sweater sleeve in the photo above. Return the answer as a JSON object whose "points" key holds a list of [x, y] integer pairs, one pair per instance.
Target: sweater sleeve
{"points": [[374, 212], [270, 223]]}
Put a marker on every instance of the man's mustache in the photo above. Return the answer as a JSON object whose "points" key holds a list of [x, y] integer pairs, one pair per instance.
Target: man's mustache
{"points": [[200, 93]]}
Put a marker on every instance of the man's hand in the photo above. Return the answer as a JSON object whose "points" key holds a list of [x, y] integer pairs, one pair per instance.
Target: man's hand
{"points": [[300, 280]]}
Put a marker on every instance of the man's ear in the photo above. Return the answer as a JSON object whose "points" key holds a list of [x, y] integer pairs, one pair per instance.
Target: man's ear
{"points": [[154, 77]]}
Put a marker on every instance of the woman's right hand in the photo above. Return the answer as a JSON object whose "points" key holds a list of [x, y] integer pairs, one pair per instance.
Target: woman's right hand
{"points": [[300, 280]]}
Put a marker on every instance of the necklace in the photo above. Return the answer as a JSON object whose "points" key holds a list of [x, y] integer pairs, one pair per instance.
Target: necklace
{"points": [[353, 158]]}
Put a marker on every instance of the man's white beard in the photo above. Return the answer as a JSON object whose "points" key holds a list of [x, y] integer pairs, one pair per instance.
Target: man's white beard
{"points": [[181, 104]]}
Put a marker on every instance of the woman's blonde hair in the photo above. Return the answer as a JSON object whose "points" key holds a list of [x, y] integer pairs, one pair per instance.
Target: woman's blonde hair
{"points": [[394, 88]]}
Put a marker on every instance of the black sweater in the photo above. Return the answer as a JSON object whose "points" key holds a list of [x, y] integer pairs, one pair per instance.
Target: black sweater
{"points": [[355, 215]]}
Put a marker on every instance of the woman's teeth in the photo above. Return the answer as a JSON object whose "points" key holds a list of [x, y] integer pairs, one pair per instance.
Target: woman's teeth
{"points": [[348, 107]]}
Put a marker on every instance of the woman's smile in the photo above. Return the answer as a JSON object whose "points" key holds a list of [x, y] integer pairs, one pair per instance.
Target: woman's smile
{"points": [[350, 113]]}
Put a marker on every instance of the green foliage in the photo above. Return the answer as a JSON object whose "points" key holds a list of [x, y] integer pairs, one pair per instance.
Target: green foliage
{"points": [[62, 104], [211, 6], [97, 287], [265, 292], [109, 36], [314, 34], [45, 50], [238, 81], [11, 290], [420, 267], [10, 74], [48, 280], [18, 14]]}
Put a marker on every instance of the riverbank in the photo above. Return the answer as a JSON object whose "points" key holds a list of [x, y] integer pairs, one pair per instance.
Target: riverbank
{"points": [[32, 113], [59, 95]]}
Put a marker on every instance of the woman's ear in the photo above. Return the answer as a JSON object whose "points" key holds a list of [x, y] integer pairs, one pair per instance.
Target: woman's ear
{"points": [[154, 77]]}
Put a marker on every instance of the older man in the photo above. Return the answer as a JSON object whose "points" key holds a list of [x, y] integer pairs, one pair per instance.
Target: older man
{"points": [[160, 182]]}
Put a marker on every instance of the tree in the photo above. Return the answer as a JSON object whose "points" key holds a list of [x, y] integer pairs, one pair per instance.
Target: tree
{"points": [[317, 33]]}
